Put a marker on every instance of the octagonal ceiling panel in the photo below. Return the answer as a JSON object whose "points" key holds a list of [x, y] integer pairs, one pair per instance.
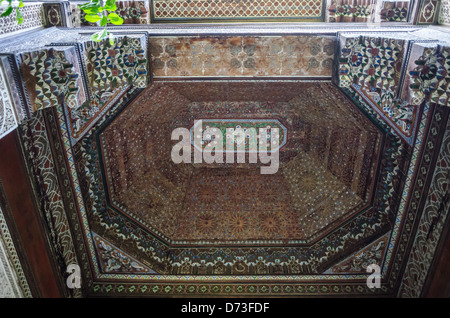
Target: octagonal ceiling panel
{"points": [[327, 198], [326, 174]]}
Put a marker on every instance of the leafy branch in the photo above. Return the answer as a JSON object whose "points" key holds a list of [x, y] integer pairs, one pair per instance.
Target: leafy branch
{"points": [[97, 12], [10, 6]]}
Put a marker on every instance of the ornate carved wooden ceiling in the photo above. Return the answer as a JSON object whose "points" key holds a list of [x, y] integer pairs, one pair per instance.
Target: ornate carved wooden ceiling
{"points": [[327, 172], [363, 171]]}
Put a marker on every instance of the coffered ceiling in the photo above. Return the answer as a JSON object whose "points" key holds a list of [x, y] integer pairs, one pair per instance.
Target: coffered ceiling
{"points": [[362, 116]]}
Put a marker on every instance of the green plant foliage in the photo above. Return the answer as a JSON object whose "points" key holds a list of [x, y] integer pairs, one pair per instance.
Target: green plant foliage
{"points": [[115, 19], [102, 13], [97, 11], [11, 7]]}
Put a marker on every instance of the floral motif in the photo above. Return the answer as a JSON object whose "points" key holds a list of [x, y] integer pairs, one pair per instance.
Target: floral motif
{"points": [[372, 67], [373, 254], [238, 224], [137, 13], [394, 11], [308, 181], [206, 223], [428, 12], [163, 56], [350, 11], [111, 71], [259, 56], [52, 13], [270, 223], [243, 56], [113, 260], [112, 66], [56, 81], [431, 77], [353, 10]]}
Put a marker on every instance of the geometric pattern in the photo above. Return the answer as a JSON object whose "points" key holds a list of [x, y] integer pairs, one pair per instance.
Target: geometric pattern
{"points": [[396, 11], [113, 260], [13, 282], [291, 285], [8, 120], [54, 77], [32, 18], [357, 263], [9, 285], [428, 75], [371, 62], [285, 56], [203, 10], [444, 13], [113, 66], [111, 70], [133, 12], [357, 11], [428, 12], [194, 193], [372, 66], [389, 230], [54, 14], [432, 222], [45, 179], [85, 78], [350, 11]]}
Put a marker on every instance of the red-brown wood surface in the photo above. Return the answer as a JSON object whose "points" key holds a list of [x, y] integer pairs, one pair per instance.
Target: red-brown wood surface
{"points": [[19, 196], [438, 282]]}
